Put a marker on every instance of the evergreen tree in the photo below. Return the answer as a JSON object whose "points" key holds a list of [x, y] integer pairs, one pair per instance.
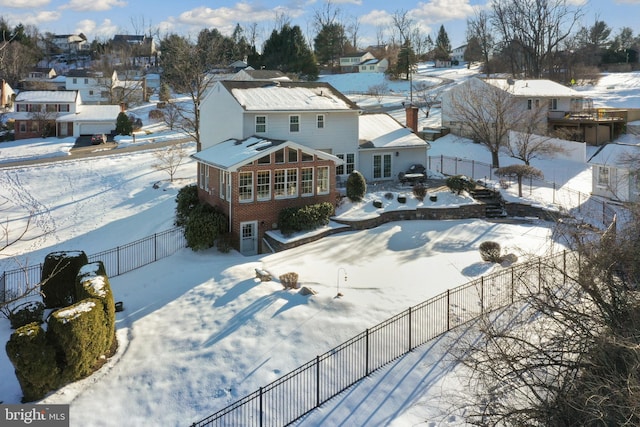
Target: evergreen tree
{"points": [[288, 52], [443, 45], [329, 44], [406, 60], [123, 124]]}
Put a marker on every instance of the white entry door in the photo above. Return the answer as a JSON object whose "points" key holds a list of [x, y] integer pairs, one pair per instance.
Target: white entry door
{"points": [[249, 238]]}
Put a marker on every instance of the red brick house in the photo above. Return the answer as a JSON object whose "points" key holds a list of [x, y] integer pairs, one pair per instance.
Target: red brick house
{"points": [[253, 179]]}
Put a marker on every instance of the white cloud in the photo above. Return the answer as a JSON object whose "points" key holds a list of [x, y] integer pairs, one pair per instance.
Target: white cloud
{"points": [[377, 18], [93, 5], [36, 19], [440, 11], [24, 3], [104, 30]]}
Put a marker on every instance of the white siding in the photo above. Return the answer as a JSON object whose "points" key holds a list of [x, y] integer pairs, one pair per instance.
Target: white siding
{"points": [[220, 117]]}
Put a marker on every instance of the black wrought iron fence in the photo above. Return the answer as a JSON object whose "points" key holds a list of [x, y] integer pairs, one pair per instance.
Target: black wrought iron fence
{"points": [[295, 394], [117, 261], [593, 210]]}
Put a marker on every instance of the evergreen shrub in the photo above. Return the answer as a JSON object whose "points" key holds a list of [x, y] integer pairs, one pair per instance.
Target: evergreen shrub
{"points": [[356, 186], [28, 312], [58, 279], [419, 191], [203, 226], [78, 332], [34, 360], [460, 183], [186, 200], [291, 220], [92, 282]]}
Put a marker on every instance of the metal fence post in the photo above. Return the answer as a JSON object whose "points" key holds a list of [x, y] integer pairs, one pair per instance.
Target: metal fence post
{"points": [[481, 294], [317, 381], [410, 329], [448, 310], [513, 285], [155, 247], [366, 353], [118, 260], [260, 410]]}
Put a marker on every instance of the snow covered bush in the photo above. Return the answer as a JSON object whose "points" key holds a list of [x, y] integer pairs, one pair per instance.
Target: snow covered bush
{"points": [[460, 183], [58, 278], [419, 191], [289, 280], [28, 312]]}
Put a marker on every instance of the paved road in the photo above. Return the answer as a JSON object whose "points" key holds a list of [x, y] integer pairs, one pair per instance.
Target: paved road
{"points": [[81, 151]]}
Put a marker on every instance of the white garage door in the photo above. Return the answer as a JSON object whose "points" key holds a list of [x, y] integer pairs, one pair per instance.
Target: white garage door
{"points": [[91, 128]]}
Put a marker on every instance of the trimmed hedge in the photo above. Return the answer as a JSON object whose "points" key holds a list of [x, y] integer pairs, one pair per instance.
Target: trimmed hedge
{"points": [[34, 360], [58, 278], [28, 312], [186, 200], [92, 282], [356, 186], [204, 225], [310, 217], [79, 337]]}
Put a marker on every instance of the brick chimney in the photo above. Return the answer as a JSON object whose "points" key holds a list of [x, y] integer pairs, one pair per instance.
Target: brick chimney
{"points": [[412, 117]]}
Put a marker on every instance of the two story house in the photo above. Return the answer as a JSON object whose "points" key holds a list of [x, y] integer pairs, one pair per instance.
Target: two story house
{"points": [[267, 145], [60, 113], [350, 63], [568, 114]]}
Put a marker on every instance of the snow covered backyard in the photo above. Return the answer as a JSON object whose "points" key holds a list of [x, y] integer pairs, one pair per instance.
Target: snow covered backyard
{"points": [[198, 331]]}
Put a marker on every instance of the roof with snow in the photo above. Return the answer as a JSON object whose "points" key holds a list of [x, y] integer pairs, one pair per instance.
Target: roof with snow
{"points": [[288, 96], [233, 153], [534, 87], [47, 96], [380, 130], [92, 113], [617, 155]]}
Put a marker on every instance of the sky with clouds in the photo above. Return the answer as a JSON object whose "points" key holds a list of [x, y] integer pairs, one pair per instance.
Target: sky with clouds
{"points": [[101, 19]]}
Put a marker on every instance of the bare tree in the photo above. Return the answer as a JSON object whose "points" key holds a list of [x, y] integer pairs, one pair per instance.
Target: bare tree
{"points": [[427, 97], [479, 28], [170, 159], [482, 112], [533, 30], [352, 28], [567, 352], [171, 115]]}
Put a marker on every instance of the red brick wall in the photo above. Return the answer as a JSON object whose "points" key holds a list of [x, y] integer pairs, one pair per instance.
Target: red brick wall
{"points": [[265, 212]]}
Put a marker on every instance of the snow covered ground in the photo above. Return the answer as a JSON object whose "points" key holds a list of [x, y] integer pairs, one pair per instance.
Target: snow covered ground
{"points": [[198, 332]]}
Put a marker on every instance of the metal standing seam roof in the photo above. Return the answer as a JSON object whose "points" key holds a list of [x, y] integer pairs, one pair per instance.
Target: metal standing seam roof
{"points": [[288, 96]]}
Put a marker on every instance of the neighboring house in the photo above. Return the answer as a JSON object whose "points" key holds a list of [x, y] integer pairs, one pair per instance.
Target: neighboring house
{"points": [[237, 66], [350, 63], [70, 43], [42, 78], [253, 179], [374, 66], [568, 112], [315, 125], [95, 88], [60, 113], [251, 74], [7, 96], [615, 172], [141, 48], [457, 54]]}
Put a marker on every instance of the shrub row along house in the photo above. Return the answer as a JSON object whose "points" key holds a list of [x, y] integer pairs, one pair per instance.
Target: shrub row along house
{"points": [[269, 145]]}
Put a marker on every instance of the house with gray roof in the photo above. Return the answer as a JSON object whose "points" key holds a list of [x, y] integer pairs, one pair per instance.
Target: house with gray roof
{"points": [[60, 113], [267, 145], [616, 172]]}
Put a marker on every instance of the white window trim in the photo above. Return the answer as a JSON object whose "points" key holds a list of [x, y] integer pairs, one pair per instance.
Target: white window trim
{"points": [[256, 124], [311, 181], [298, 123], [321, 118], [268, 196], [328, 179], [249, 187], [600, 183]]}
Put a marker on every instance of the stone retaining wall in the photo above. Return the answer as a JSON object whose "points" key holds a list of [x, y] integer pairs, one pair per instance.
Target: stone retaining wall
{"points": [[449, 212]]}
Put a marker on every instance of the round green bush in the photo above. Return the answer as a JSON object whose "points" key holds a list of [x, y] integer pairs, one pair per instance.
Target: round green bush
{"points": [[356, 186]]}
